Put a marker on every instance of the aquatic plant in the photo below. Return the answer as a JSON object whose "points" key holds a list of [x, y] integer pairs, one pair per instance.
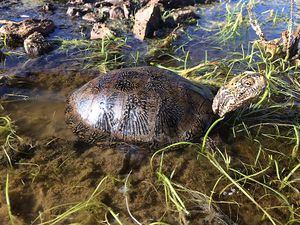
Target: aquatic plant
{"points": [[234, 21], [177, 195], [91, 202], [8, 136], [104, 54], [273, 117], [8, 51], [8, 200]]}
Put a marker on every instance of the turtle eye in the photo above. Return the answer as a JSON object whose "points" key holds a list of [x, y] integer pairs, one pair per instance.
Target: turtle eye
{"points": [[248, 82]]}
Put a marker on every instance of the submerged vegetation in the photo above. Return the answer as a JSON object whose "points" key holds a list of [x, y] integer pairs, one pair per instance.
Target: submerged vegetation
{"points": [[256, 171], [8, 137]]}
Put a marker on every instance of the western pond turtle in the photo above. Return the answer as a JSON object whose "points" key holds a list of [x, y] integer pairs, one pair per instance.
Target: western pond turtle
{"points": [[153, 106]]}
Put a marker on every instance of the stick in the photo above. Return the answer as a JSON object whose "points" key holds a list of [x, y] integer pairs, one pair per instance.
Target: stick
{"points": [[255, 26]]}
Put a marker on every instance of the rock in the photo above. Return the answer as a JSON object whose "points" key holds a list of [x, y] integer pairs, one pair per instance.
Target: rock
{"points": [[284, 47], [98, 4], [118, 12], [170, 4], [88, 6], [180, 16], [147, 20], [18, 31], [91, 17], [79, 2], [47, 7], [117, 9], [99, 15], [36, 44], [73, 11], [4, 22], [103, 13], [100, 31], [291, 44], [113, 2]]}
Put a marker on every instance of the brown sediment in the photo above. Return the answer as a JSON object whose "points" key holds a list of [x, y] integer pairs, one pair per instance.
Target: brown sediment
{"points": [[61, 172]]}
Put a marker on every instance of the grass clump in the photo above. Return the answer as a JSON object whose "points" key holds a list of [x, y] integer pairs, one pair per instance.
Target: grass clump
{"points": [[104, 55], [234, 21]]}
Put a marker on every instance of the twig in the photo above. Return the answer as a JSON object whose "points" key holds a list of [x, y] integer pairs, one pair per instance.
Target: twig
{"points": [[290, 28], [255, 25]]}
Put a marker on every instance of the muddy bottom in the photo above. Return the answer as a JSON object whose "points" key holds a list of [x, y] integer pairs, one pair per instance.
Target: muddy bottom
{"points": [[39, 119], [62, 172], [59, 180]]}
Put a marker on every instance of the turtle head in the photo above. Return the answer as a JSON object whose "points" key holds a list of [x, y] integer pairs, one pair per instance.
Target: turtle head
{"points": [[240, 91]]}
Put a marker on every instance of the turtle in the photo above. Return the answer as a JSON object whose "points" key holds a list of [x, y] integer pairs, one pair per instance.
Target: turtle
{"points": [[153, 106]]}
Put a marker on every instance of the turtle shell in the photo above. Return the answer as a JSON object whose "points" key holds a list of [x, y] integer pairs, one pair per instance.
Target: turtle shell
{"points": [[139, 105]]}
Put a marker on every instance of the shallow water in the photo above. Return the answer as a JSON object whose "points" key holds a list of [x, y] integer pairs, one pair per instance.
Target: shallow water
{"points": [[58, 169], [40, 118]]}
